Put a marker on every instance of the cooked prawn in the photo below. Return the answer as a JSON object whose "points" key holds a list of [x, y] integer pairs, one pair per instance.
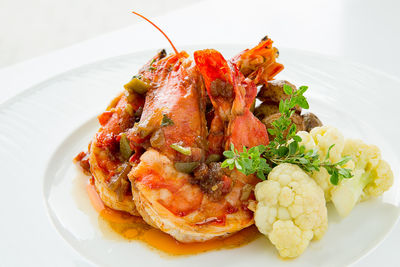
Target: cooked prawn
{"points": [[107, 168], [173, 201], [167, 200], [205, 202]]}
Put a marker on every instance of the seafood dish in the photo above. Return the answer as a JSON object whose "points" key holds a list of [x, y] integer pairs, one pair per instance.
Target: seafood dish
{"points": [[187, 148]]}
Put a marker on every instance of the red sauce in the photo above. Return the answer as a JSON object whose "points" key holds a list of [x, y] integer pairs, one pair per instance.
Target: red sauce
{"points": [[135, 228]]}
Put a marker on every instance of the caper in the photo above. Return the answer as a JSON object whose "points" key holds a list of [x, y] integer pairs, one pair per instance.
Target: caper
{"points": [[213, 158], [186, 167]]}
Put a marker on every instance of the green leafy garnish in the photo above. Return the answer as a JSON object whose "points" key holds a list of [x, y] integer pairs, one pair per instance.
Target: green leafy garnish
{"points": [[166, 121], [248, 162], [285, 147]]}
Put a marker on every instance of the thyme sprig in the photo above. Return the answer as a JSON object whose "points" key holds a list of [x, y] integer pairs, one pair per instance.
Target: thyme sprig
{"points": [[285, 147]]}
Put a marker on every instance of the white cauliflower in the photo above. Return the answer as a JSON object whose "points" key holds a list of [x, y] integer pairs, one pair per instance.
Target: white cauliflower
{"points": [[321, 138], [290, 210], [372, 175]]}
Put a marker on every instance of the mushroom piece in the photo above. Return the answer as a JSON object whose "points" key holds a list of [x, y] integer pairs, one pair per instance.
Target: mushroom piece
{"points": [[311, 121], [266, 109], [273, 92], [296, 119]]}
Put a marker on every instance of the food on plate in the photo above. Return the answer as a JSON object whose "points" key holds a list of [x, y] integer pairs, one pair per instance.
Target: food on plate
{"points": [[268, 111], [173, 202], [310, 121], [291, 209], [296, 119], [372, 175], [188, 149]]}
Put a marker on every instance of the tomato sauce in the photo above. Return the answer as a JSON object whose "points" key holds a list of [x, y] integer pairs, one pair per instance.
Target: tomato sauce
{"points": [[135, 228]]}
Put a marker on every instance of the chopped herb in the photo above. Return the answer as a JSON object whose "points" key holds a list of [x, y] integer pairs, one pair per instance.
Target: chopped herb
{"points": [[166, 121], [124, 147], [151, 67], [184, 150], [285, 148]]}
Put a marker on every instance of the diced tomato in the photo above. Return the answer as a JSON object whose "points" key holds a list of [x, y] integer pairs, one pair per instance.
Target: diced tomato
{"points": [[83, 159], [138, 151], [107, 140], [104, 117]]}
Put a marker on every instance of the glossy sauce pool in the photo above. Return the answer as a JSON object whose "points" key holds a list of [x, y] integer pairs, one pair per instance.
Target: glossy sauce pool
{"points": [[134, 228]]}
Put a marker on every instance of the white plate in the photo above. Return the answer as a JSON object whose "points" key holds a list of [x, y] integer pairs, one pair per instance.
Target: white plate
{"points": [[47, 219]]}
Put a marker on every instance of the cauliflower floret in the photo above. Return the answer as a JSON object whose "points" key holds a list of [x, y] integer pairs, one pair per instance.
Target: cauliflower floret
{"points": [[321, 138], [290, 210], [324, 137], [383, 180], [323, 179], [307, 140], [372, 177]]}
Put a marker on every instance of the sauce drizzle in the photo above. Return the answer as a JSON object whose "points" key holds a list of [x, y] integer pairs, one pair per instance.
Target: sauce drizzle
{"points": [[135, 228]]}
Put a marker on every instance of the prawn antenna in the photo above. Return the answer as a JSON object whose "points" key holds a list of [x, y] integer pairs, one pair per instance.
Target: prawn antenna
{"points": [[149, 21]]}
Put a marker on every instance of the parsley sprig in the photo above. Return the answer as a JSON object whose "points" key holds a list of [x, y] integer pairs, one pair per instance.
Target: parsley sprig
{"points": [[285, 147]]}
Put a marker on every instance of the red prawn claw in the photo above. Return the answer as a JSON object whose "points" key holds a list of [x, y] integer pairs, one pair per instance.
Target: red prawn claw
{"points": [[228, 90], [231, 95], [217, 79]]}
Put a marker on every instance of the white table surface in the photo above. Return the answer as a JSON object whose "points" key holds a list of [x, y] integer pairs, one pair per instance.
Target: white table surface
{"points": [[361, 31]]}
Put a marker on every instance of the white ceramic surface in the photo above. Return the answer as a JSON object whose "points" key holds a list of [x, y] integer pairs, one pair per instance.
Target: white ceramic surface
{"points": [[48, 217]]}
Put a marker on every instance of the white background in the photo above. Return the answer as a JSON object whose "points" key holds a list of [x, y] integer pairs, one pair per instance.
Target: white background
{"points": [[39, 39], [34, 27]]}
